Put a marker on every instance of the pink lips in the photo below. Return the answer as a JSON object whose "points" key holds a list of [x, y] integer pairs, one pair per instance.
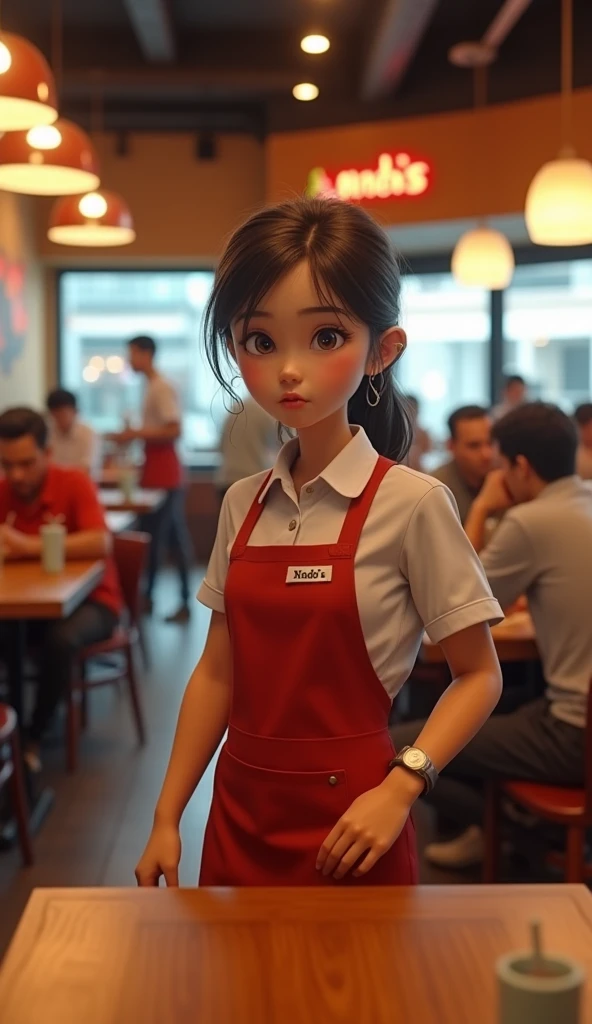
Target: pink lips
{"points": [[292, 400]]}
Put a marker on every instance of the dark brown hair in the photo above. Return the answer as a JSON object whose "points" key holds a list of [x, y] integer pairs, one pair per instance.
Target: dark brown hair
{"points": [[466, 412], [544, 435], [350, 258], [22, 421]]}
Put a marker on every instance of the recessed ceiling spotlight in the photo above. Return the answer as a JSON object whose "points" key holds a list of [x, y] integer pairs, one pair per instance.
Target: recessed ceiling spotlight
{"points": [[315, 44], [305, 91]]}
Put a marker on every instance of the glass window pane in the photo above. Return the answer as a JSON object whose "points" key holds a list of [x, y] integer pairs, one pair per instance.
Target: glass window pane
{"points": [[446, 364], [548, 330], [101, 310]]}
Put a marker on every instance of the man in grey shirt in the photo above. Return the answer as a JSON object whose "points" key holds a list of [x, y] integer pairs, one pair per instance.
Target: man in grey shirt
{"points": [[542, 549], [471, 448]]}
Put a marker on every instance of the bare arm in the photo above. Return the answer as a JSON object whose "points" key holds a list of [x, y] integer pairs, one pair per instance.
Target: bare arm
{"points": [[203, 720], [84, 544], [475, 524]]}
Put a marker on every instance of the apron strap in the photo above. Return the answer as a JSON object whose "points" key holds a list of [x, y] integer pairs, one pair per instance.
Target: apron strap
{"points": [[359, 508], [250, 520]]}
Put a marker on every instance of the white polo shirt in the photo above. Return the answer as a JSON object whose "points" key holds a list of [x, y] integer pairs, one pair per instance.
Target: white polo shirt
{"points": [[161, 403], [80, 448], [415, 569]]}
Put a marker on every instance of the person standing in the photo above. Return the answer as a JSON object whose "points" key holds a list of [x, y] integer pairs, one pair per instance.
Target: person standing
{"points": [[162, 470], [471, 448], [515, 393], [72, 442]]}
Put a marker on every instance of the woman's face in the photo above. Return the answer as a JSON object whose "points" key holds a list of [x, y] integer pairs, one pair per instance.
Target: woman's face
{"points": [[302, 360]]}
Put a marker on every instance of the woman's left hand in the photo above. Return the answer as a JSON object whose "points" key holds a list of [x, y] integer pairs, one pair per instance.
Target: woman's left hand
{"points": [[370, 826]]}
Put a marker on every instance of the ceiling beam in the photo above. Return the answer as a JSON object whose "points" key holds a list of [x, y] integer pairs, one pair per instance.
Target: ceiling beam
{"points": [[395, 42], [210, 82], [153, 26]]}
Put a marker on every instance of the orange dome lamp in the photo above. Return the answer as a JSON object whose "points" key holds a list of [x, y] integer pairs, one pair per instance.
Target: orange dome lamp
{"points": [[48, 160], [27, 86], [95, 219]]}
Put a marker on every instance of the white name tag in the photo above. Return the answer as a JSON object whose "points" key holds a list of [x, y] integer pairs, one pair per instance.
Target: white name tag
{"points": [[309, 574]]}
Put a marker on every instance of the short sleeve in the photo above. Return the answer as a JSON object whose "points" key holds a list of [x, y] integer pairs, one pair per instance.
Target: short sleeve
{"points": [[89, 514], [211, 592], [508, 561], [447, 581], [168, 404]]}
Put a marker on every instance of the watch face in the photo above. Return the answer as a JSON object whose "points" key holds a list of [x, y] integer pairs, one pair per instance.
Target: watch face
{"points": [[414, 758]]}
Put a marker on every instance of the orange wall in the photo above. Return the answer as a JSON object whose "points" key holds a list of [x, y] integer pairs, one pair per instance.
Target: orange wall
{"points": [[482, 163], [183, 208]]}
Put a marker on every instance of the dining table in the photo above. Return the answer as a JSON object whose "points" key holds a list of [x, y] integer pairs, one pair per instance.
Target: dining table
{"points": [[336, 954], [27, 592], [141, 502], [514, 639]]}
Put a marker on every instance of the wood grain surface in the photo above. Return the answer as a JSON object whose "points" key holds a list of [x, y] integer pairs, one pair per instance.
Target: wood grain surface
{"points": [[141, 503], [514, 638], [28, 592], [277, 956]]}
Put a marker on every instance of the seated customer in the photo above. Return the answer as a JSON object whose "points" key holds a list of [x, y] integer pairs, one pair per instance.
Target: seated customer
{"points": [[34, 492], [472, 456], [543, 548], [583, 418], [73, 443]]}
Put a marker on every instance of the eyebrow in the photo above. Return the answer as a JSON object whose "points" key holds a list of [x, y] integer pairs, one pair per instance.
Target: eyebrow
{"points": [[301, 312]]}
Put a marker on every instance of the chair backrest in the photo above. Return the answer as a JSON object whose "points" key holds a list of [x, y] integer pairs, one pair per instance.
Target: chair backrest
{"points": [[130, 551], [588, 758]]}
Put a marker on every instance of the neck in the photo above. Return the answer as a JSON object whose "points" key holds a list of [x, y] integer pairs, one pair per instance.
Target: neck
{"points": [[320, 444], [150, 372]]}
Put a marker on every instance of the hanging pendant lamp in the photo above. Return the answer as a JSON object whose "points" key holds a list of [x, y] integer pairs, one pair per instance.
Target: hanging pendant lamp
{"points": [[49, 160], [559, 200], [95, 219], [482, 257], [27, 86]]}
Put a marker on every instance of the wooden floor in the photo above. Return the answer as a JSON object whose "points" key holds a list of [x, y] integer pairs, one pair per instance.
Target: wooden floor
{"points": [[102, 815]]}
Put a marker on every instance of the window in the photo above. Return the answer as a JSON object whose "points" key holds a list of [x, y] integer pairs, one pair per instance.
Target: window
{"points": [[447, 359], [101, 310], [548, 330]]}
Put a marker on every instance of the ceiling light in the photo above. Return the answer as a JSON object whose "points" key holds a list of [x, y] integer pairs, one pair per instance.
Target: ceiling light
{"points": [[483, 258], [315, 44], [27, 86], [559, 203], [96, 219], [91, 374], [115, 364], [305, 92], [48, 161]]}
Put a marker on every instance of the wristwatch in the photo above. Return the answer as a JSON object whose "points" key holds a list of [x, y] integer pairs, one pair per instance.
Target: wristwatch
{"points": [[416, 760]]}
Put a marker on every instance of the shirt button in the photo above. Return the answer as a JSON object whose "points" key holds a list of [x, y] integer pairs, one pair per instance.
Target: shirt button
{"points": [[332, 780], [310, 490], [292, 524]]}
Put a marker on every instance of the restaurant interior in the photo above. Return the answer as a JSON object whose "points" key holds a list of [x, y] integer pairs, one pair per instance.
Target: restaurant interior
{"points": [[463, 130]]}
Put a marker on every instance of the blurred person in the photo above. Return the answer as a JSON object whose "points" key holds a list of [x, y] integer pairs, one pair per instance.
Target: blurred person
{"points": [[35, 491], [472, 453], [421, 442], [514, 394], [160, 430], [542, 549], [249, 443], [72, 442], [583, 418]]}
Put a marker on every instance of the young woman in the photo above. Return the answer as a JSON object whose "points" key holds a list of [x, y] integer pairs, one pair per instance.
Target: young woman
{"points": [[324, 574]]}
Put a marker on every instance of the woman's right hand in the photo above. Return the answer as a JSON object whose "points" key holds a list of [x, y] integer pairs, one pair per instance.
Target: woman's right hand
{"points": [[161, 857]]}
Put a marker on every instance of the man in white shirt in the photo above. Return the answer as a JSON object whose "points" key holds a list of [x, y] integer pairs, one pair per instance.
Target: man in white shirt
{"points": [[72, 442], [541, 549], [160, 430]]}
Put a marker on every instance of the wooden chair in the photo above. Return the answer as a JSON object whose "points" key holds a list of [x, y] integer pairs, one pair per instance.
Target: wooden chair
{"points": [[12, 777], [130, 551], [562, 805]]}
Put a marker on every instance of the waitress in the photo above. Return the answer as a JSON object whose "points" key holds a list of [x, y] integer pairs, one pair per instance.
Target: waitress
{"points": [[324, 575], [162, 470]]}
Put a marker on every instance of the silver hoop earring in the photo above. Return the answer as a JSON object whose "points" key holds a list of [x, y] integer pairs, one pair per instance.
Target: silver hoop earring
{"points": [[373, 394]]}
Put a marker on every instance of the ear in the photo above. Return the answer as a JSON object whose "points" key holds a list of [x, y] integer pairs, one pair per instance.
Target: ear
{"points": [[450, 444], [391, 346], [524, 465]]}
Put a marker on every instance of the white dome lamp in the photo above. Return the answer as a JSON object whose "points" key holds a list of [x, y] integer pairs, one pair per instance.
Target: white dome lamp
{"points": [[482, 257], [559, 200]]}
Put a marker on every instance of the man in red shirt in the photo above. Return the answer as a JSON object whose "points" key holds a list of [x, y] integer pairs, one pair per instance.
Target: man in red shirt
{"points": [[34, 492]]}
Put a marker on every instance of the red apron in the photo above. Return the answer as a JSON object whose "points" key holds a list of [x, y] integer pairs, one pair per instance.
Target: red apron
{"points": [[162, 468], [308, 721]]}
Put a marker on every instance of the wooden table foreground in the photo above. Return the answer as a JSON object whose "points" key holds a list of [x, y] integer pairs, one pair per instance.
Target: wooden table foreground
{"points": [[28, 592], [279, 956]]}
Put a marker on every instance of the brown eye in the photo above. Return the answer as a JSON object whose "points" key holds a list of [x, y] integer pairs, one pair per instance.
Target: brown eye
{"points": [[328, 340], [259, 345]]}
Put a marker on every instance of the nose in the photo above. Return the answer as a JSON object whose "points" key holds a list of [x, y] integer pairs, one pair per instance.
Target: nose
{"points": [[290, 374]]}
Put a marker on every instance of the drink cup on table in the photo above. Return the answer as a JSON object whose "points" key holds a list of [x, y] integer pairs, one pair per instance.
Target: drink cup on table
{"points": [[536, 987], [53, 547]]}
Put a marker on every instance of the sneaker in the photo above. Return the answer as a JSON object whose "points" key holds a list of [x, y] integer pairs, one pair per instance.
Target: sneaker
{"points": [[465, 851], [180, 617]]}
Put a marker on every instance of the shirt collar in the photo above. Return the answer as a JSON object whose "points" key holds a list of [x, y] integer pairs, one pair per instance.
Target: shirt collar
{"points": [[348, 473]]}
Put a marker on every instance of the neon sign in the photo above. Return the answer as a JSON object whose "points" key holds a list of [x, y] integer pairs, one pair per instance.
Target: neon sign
{"points": [[395, 176]]}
